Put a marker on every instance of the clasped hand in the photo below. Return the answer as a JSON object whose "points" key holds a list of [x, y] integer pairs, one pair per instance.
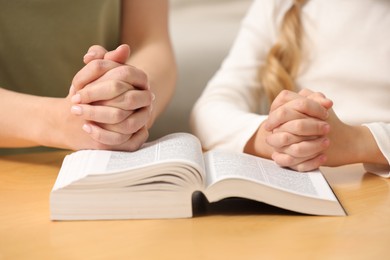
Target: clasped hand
{"points": [[299, 130], [113, 98]]}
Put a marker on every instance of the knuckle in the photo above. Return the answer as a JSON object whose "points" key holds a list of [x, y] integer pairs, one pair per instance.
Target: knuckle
{"points": [[277, 141], [139, 140], [284, 93], [281, 113], [115, 139], [97, 135], [319, 94], [305, 92], [129, 99], [143, 76], [284, 139], [86, 95], [132, 125], [142, 81], [133, 146], [299, 126], [308, 166], [107, 139], [289, 160], [301, 167], [98, 65], [124, 72], [120, 138], [114, 86], [284, 160], [117, 88], [118, 115], [301, 104], [296, 150]]}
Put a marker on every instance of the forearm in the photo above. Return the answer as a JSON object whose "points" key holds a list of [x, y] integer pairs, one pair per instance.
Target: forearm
{"points": [[366, 149], [26, 120], [219, 122], [145, 29], [352, 144]]}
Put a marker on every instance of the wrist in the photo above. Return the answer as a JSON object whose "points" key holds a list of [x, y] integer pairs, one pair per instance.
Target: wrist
{"points": [[359, 146], [257, 144], [368, 149], [54, 117]]}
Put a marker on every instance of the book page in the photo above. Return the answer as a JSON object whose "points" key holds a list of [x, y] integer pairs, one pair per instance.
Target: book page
{"points": [[173, 147], [77, 165], [223, 165], [179, 147]]}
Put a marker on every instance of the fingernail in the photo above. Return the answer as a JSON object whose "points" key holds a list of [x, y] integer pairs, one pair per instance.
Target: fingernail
{"points": [[326, 128], [76, 98], [90, 54], [76, 110], [87, 128], [326, 142], [326, 114], [323, 158]]}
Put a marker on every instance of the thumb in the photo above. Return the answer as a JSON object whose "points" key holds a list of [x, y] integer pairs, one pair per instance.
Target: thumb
{"points": [[94, 52], [120, 54]]}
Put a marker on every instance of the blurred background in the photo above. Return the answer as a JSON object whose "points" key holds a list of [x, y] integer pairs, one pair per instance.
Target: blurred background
{"points": [[202, 33]]}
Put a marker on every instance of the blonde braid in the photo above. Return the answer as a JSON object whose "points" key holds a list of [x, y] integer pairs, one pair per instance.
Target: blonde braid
{"points": [[283, 60]]}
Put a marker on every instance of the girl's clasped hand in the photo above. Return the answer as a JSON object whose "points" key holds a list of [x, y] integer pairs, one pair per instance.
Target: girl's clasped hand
{"points": [[305, 133], [298, 126]]}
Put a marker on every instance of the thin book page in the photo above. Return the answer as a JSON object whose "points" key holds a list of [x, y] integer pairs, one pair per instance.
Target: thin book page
{"points": [[77, 165], [221, 165], [175, 148]]}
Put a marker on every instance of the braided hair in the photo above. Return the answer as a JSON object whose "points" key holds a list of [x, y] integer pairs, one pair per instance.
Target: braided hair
{"points": [[283, 59]]}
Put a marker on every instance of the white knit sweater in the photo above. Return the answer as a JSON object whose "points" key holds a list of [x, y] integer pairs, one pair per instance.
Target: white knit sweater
{"points": [[346, 57]]}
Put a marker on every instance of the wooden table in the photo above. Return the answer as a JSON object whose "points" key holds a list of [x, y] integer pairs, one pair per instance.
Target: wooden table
{"points": [[229, 230]]}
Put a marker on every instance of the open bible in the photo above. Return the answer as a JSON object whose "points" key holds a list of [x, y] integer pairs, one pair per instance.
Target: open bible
{"points": [[158, 181]]}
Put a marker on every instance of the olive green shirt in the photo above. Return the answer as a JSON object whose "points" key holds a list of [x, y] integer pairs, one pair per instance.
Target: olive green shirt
{"points": [[42, 42]]}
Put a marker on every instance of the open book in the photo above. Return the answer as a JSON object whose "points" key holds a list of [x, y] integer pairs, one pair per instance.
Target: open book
{"points": [[158, 181]]}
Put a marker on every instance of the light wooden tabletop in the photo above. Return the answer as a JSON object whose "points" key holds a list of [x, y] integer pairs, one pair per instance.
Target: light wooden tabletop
{"points": [[235, 229]]}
